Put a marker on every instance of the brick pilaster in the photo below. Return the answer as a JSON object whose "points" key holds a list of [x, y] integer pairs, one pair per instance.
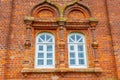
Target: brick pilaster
{"points": [[5, 15], [114, 24]]}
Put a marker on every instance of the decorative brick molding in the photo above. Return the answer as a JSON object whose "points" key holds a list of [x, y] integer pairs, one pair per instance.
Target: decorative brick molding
{"points": [[62, 71], [88, 70], [28, 21], [27, 44], [93, 23], [62, 26], [45, 11], [95, 45], [53, 25], [61, 23], [74, 10]]}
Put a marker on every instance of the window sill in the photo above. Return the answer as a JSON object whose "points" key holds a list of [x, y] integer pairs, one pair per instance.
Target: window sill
{"points": [[87, 70]]}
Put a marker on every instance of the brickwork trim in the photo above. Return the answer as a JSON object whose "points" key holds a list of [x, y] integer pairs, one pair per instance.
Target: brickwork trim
{"points": [[45, 5], [87, 70], [78, 6], [38, 24]]}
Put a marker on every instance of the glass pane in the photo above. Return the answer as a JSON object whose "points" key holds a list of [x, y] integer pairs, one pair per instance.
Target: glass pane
{"points": [[49, 55], [39, 40], [78, 37], [40, 48], [80, 47], [49, 62], [72, 61], [80, 55], [40, 55], [71, 48], [73, 37], [81, 40], [49, 47], [50, 40], [70, 40], [72, 55], [81, 61], [40, 62], [47, 37], [43, 37]]}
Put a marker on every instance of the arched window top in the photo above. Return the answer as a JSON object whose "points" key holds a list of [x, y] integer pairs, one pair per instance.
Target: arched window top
{"points": [[76, 12], [45, 11], [76, 38], [45, 38]]}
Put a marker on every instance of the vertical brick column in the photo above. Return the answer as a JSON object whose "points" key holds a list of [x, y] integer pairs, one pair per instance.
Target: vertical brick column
{"points": [[93, 24], [5, 20], [28, 21], [62, 43], [113, 9]]}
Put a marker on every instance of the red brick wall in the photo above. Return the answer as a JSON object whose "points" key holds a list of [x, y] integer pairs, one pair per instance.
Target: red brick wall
{"points": [[5, 16], [114, 24], [98, 9], [15, 39]]}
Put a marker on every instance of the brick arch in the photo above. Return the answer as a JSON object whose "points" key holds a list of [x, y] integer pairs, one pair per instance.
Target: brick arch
{"points": [[76, 12], [45, 11]]}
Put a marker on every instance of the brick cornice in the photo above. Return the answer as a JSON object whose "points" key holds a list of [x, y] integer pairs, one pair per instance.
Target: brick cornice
{"points": [[41, 24]]}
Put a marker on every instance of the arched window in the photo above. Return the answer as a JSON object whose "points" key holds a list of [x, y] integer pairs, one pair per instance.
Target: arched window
{"points": [[76, 51], [45, 51]]}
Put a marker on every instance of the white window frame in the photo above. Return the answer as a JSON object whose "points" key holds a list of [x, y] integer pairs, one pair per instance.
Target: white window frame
{"points": [[75, 44], [44, 44]]}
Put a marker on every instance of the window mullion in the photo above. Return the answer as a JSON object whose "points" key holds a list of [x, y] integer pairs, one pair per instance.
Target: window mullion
{"points": [[41, 39], [37, 54], [45, 38], [69, 53], [84, 53], [45, 54], [75, 38], [49, 39], [76, 51], [79, 39], [53, 54]]}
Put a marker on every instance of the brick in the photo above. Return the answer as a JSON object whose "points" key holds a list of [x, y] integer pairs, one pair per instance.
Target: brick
{"points": [[13, 36]]}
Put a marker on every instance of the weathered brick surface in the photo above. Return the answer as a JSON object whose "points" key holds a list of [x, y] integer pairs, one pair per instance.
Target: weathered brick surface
{"points": [[114, 21], [12, 58], [5, 14]]}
